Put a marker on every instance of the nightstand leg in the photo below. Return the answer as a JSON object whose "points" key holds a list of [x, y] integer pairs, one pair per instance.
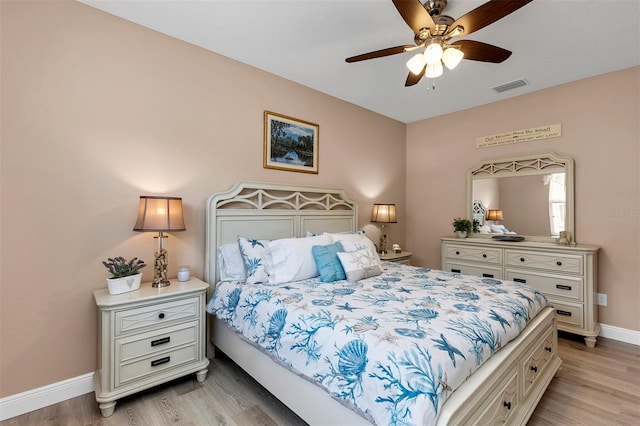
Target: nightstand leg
{"points": [[107, 408], [201, 375]]}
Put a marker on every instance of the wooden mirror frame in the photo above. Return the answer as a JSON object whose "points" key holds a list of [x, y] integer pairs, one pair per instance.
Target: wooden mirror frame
{"points": [[536, 164]]}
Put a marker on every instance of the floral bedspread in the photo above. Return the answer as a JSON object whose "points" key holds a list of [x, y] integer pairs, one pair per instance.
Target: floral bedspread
{"points": [[393, 346]]}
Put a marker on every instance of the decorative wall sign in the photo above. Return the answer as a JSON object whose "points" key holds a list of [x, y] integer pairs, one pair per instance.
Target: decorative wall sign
{"points": [[290, 144], [524, 135]]}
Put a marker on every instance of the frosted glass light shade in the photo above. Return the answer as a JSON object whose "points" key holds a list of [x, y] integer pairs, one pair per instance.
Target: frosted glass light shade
{"points": [[452, 57], [433, 53], [416, 63], [434, 70]]}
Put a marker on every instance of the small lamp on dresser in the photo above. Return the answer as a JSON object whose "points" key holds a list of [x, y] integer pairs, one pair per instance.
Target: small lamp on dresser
{"points": [[494, 215], [160, 214], [383, 214]]}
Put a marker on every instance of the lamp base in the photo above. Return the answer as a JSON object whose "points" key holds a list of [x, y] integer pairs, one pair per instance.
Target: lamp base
{"points": [[161, 283]]}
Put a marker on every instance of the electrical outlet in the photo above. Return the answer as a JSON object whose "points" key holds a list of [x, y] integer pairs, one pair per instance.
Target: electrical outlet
{"points": [[602, 299]]}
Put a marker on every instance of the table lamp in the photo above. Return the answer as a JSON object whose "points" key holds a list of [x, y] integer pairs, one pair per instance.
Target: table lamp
{"points": [[160, 214], [382, 214]]}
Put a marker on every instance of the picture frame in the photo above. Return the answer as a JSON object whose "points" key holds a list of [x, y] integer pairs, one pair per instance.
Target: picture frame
{"points": [[290, 143]]}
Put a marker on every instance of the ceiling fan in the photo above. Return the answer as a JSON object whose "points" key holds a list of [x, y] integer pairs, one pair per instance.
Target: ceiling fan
{"points": [[434, 31]]}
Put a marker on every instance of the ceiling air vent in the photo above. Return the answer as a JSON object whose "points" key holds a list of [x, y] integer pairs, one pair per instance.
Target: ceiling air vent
{"points": [[511, 85]]}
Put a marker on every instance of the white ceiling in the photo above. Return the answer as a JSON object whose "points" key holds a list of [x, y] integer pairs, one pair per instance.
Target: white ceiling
{"points": [[307, 41]]}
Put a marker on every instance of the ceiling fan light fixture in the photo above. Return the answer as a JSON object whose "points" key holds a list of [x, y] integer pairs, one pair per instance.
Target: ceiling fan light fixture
{"points": [[434, 70], [433, 53], [452, 57], [416, 64]]}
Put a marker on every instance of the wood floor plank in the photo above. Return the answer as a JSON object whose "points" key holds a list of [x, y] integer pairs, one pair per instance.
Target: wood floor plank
{"points": [[595, 386]]}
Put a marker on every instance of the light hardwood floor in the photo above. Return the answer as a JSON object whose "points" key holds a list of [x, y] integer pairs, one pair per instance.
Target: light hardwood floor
{"points": [[599, 386]]}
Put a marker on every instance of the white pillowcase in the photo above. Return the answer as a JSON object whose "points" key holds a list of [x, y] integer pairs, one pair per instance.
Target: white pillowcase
{"points": [[357, 241], [292, 258], [231, 263], [359, 264]]}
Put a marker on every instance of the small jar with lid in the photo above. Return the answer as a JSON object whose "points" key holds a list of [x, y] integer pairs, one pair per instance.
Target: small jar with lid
{"points": [[183, 273]]}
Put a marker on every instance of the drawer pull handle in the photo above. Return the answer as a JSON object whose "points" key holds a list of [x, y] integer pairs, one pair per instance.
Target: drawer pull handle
{"points": [[487, 275], [563, 287], [548, 348], [457, 271], [484, 255], [520, 280], [457, 252], [160, 341], [522, 259], [559, 263], [507, 404], [160, 361], [534, 368], [161, 315], [565, 313]]}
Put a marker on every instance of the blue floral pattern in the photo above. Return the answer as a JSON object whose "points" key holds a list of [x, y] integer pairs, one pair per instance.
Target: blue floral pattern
{"points": [[394, 346]]}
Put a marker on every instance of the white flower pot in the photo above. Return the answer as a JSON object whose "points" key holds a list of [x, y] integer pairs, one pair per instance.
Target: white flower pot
{"points": [[461, 234], [124, 284]]}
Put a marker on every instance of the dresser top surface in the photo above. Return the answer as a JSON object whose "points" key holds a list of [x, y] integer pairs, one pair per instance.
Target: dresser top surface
{"points": [[521, 244]]}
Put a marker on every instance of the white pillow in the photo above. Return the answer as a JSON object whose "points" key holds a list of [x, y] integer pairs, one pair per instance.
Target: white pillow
{"points": [[496, 229], [485, 229], [257, 259], [357, 241], [359, 264], [231, 263], [293, 258]]}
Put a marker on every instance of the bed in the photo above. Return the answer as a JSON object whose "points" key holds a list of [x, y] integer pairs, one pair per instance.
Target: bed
{"points": [[501, 382]]}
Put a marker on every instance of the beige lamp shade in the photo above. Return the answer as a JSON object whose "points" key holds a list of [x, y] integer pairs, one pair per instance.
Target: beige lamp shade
{"points": [[384, 213], [160, 214], [494, 215]]}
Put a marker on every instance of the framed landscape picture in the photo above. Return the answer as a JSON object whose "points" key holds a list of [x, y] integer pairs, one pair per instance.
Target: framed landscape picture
{"points": [[290, 144]]}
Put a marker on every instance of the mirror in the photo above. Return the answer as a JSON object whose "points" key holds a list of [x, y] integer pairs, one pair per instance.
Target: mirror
{"points": [[533, 193]]}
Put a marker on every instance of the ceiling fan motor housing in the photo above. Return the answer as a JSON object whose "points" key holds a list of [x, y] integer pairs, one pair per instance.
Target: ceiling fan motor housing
{"points": [[435, 7]]}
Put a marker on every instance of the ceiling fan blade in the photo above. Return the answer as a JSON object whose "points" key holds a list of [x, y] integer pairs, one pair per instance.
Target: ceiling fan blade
{"points": [[413, 79], [478, 51], [382, 52], [487, 14], [415, 15]]}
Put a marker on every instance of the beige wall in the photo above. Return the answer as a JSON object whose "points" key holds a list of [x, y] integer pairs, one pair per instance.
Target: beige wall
{"points": [[98, 111], [600, 130]]}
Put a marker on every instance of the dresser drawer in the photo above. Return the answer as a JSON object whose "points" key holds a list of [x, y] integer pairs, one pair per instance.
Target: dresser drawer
{"points": [[157, 315], [475, 254], [142, 368], [148, 344], [550, 285], [476, 270], [569, 314], [535, 363], [502, 405], [545, 261]]}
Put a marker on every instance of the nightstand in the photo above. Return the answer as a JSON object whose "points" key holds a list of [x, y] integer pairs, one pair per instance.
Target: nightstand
{"points": [[148, 337], [403, 257]]}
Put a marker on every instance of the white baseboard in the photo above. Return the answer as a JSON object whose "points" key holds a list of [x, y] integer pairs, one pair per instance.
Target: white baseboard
{"points": [[621, 334], [25, 402], [35, 399]]}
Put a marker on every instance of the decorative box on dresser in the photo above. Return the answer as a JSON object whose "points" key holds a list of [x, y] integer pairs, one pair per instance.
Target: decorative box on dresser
{"points": [[148, 337], [566, 275]]}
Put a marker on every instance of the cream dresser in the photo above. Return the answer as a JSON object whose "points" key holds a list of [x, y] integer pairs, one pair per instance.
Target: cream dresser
{"points": [[566, 275], [148, 337]]}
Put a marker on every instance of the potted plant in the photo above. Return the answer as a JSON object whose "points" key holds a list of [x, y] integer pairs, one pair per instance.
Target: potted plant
{"points": [[462, 227], [125, 275]]}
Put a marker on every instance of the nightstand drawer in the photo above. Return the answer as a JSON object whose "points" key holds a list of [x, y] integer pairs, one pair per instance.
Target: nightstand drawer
{"points": [[561, 286], [545, 261], [475, 254], [157, 315], [147, 344], [129, 372]]}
